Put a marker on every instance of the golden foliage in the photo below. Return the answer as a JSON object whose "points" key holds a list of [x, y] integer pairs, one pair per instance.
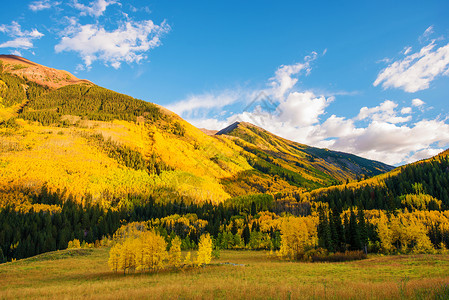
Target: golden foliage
{"points": [[408, 231], [204, 250], [175, 252], [297, 235], [145, 252]]}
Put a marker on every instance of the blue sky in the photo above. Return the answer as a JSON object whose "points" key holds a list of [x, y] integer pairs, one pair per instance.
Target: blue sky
{"points": [[366, 77]]}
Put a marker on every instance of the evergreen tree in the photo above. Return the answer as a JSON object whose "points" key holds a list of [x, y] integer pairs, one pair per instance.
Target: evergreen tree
{"points": [[354, 233], [253, 208], [234, 228], [363, 230], [246, 234], [324, 233], [2, 257], [340, 234]]}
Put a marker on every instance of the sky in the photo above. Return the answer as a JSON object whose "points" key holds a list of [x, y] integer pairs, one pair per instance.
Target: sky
{"points": [[365, 77]]}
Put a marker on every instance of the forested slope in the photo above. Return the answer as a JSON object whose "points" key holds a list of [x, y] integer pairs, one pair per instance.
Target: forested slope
{"points": [[93, 143]]}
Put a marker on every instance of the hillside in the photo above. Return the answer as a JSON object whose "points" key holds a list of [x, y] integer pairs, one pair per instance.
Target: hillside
{"points": [[98, 146], [422, 185]]}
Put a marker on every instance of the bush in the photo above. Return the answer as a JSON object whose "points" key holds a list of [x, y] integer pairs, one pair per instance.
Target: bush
{"points": [[322, 255]]}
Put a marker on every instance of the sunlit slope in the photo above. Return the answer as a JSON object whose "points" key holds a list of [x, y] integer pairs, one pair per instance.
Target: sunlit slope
{"points": [[97, 145], [87, 140], [24, 68], [298, 163]]}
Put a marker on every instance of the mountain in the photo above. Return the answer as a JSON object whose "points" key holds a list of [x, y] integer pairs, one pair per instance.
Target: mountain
{"points": [[335, 165], [65, 135]]}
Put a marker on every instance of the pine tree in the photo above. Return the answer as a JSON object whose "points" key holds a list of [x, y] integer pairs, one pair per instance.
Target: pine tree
{"points": [[253, 208], [333, 233], [2, 257], [363, 230], [324, 234], [340, 234], [354, 232], [234, 228], [246, 234]]}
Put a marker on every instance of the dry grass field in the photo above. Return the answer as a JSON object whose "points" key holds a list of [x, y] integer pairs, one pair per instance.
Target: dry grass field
{"points": [[83, 273]]}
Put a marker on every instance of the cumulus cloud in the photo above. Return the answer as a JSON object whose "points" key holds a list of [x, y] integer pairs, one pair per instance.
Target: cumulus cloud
{"points": [[417, 102], [386, 112], [416, 71], [406, 110], [128, 43], [22, 39], [95, 8], [302, 109]]}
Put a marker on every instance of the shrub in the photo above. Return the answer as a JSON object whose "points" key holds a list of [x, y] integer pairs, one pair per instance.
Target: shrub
{"points": [[322, 255]]}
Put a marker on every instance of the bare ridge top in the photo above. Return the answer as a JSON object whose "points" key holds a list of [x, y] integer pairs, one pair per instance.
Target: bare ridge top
{"points": [[40, 74]]}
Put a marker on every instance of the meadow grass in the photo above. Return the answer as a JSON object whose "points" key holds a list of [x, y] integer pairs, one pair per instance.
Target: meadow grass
{"points": [[83, 273]]}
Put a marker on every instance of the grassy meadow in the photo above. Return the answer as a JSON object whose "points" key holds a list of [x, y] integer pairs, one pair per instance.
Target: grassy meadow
{"points": [[83, 273]]}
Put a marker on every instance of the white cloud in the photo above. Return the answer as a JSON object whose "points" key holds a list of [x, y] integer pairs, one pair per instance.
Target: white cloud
{"points": [[415, 72], [95, 8], [407, 50], [283, 80], [426, 35], [425, 153], [20, 39], [41, 5], [384, 112], [128, 43], [417, 102], [302, 109], [406, 110], [206, 101], [15, 52]]}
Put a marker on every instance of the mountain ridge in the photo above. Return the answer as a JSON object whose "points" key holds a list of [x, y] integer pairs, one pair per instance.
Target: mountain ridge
{"points": [[37, 73]]}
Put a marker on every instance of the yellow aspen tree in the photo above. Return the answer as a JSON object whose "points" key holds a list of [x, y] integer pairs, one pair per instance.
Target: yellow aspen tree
{"points": [[204, 250], [295, 237], [155, 249], [443, 248], [422, 241], [140, 253], [175, 252], [127, 260], [75, 244], [187, 259], [114, 257], [385, 234]]}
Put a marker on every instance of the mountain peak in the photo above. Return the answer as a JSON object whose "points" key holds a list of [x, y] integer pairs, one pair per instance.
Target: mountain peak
{"points": [[235, 125], [37, 73], [228, 129]]}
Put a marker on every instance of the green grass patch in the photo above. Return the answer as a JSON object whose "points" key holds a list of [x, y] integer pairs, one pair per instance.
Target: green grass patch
{"points": [[235, 275]]}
